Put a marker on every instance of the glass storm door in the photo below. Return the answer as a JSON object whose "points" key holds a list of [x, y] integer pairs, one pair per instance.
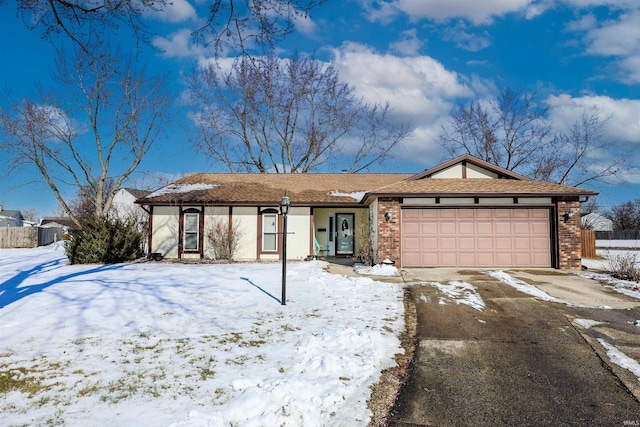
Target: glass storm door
{"points": [[345, 234]]}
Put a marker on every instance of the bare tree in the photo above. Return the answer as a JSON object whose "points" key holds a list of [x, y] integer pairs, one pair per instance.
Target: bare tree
{"points": [[288, 116], [93, 133], [236, 23], [512, 132], [587, 220], [30, 214], [626, 216]]}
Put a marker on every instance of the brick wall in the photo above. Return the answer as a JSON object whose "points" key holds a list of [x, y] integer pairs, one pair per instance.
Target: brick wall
{"points": [[389, 232], [569, 235]]}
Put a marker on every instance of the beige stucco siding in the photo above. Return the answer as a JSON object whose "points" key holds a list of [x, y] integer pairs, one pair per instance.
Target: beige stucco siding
{"points": [[247, 220], [299, 233], [164, 238]]}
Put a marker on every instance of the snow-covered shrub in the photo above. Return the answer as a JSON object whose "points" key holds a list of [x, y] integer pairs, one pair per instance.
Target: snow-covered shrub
{"points": [[105, 241], [623, 266]]}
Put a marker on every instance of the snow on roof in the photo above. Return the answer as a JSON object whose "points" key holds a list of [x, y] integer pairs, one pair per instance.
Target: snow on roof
{"points": [[181, 188], [358, 195]]}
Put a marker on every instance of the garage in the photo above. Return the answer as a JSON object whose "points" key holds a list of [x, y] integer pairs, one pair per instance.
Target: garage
{"points": [[476, 237]]}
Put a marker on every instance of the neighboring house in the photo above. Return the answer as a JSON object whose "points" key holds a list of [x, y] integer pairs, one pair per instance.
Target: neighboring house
{"points": [[10, 218], [64, 223], [597, 222], [465, 212], [124, 203]]}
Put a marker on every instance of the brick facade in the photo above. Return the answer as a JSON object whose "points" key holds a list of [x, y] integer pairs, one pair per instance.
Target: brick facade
{"points": [[389, 231], [569, 235]]}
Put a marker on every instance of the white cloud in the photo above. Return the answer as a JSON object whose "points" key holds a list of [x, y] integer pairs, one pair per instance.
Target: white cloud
{"points": [[409, 44], [477, 12], [180, 45], [585, 23], [624, 121], [419, 88], [466, 40], [618, 37], [305, 25], [175, 11]]}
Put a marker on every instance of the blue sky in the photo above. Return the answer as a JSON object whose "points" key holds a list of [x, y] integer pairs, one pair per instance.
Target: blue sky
{"points": [[424, 56]]}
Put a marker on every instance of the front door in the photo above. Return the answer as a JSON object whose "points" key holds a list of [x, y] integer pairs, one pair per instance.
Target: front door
{"points": [[345, 233]]}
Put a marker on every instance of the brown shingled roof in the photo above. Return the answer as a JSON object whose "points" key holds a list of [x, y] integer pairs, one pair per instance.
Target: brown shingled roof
{"points": [[439, 187], [263, 189], [320, 189]]}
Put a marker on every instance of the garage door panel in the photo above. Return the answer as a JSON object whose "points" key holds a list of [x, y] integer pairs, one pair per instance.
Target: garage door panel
{"points": [[484, 243], [503, 243], [484, 228], [482, 237], [412, 244], [521, 243], [466, 243], [539, 243], [427, 243], [428, 228], [540, 227], [485, 258], [447, 228], [503, 259], [521, 228], [447, 243], [412, 228], [522, 258], [502, 228], [448, 258], [467, 258], [466, 228], [429, 258]]}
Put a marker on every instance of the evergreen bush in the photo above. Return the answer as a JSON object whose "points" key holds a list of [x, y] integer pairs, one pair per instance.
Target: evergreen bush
{"points": [[104, 241]]}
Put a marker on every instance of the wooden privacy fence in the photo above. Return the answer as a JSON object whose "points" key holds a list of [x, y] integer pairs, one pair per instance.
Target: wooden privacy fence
{"points": [[588, 243], [18, 237], [28, 237]]}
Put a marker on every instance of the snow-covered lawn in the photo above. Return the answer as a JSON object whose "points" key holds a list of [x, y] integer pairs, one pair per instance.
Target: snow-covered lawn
{"points": [[189, 345]]}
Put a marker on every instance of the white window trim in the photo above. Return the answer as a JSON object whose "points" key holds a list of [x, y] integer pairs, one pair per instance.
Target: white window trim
{"points": [[264, 233], [185, 232]]}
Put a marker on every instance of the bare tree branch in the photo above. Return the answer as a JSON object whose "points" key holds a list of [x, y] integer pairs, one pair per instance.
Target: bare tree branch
{"points": [[230, 24], [289, 116], [123, 110], [512, 132]]}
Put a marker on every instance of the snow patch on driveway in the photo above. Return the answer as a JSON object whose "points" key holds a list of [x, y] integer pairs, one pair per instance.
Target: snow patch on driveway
{"points": [[621, 359], [460, 292], [524, 287]]}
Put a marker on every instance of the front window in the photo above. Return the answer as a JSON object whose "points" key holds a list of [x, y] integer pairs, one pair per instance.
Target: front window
{"points": [[191, 237], [270, 232]]}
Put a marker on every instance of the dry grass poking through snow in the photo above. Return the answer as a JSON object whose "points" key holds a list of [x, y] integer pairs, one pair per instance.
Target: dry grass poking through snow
{"points": [[385, 393]]}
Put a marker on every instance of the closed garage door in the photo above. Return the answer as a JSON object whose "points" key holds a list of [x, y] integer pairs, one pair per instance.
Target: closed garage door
{"points": [[479, 237]]}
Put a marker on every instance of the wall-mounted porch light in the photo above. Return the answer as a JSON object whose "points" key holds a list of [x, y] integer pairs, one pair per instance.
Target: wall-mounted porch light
{"points": [[388, 215], [568, 215]]}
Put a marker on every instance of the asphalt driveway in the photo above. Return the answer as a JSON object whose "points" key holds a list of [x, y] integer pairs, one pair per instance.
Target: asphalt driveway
{"points": [[520, 361]]}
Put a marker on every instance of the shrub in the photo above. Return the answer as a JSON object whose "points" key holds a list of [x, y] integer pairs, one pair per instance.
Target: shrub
{"points": [[104, 241], [624, 267], [224, 238], [364, 252]]}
